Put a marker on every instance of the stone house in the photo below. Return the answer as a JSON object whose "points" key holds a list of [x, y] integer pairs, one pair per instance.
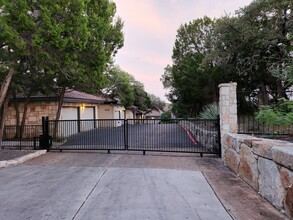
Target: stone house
{"points": [[77, 106]]}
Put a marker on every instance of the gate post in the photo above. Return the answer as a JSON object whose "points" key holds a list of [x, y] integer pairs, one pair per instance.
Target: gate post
{"points": [[228, 110], [125, 134], [45, 139]]}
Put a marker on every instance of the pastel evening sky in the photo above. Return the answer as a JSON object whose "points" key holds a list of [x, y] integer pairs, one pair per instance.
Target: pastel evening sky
{"points": [[150, 28]]}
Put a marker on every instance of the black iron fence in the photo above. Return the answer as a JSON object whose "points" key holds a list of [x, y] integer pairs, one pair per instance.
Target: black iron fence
{"points": [[174, 135], [250, 102], [21, 137], [249, 125], [192, 136]]}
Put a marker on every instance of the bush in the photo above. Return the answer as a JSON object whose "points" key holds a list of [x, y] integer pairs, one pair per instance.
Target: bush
{"points": [[210, 111], [166, 117], [280, 114]]}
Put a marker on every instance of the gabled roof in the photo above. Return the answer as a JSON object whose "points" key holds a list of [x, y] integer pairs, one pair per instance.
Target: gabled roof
{"points": [[154, 113], [70, 96]]}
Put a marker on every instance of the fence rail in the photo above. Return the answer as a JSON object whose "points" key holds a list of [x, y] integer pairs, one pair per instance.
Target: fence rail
{"points": [[249, 125], [174, 135], [17, 137]]}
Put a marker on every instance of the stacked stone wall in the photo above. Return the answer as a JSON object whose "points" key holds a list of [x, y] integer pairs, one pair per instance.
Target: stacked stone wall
{"points": [[206, 138], [266, 165]]}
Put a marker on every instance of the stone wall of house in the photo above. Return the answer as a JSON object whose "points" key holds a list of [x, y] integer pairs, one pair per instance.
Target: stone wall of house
{"points": [[265, 164], [206, 137], [35, 112]]}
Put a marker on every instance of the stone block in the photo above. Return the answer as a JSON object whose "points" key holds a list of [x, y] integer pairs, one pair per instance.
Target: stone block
{"points": [[283, 156], [248, 141], [263, 148], [232, 160], [288, 202], [286, 178], [228, 140], [248, 168], [270, 184]]}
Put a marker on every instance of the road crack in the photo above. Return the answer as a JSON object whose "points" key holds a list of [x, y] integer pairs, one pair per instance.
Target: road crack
{"points": [[90, 193]]}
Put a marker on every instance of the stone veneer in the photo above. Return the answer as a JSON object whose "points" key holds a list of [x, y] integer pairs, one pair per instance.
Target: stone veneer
{"points": [[35, 112], [266, 165], [206, 138]]}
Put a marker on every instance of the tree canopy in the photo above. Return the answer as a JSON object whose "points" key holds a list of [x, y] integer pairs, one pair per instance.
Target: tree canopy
{"points": [[253, 48], [122, 85], [64, 44]]}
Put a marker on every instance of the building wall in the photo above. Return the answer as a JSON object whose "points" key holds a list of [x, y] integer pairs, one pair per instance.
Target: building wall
{"points": [[35, 112], [105, 112]]}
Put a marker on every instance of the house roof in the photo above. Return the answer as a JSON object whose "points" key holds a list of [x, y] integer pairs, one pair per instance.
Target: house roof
{"points": [[71, 96], [154, 113], [77, 96]]}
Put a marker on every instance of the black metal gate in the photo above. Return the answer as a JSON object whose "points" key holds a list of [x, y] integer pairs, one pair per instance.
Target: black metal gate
{"points": [[172, 135]]}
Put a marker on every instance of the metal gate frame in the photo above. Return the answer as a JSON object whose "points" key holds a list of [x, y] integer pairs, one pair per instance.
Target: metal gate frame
{"points": [[133, 135]]}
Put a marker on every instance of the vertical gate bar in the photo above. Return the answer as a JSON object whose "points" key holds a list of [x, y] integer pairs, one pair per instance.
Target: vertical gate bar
{"points": [[125, 134]]}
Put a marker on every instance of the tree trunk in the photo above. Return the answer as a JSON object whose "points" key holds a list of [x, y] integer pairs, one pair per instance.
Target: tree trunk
{"points": [[263, 99], [60, 104], [24, 116], [2, 119], [17, 115], [5, 86]]}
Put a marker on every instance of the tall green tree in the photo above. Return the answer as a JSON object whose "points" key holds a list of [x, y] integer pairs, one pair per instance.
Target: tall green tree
{"points": [[255, 44], [64, 44], [119, 85], [191, 84], [70, 41]]}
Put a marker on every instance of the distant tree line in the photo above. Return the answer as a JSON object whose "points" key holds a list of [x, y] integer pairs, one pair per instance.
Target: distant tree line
{"points": [[253, 48]]}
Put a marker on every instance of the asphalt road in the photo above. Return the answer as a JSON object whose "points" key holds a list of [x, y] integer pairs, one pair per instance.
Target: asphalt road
{"points": [[170, 137]]}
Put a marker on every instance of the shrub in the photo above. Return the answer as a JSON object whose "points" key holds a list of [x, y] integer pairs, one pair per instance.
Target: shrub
{"points": [[210, 111], [280, 114]]}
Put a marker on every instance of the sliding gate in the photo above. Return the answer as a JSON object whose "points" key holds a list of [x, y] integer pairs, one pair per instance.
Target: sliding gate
{"points": [[172, 135]]}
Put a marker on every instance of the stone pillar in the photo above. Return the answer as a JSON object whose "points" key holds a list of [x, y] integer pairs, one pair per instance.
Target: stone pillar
{"points": [[228, 109]]}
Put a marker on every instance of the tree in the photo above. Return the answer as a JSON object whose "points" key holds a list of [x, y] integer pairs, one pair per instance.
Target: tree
{"points": [[156, 102], [191, 84], [119, 85], [251, 46], [64, 44]]}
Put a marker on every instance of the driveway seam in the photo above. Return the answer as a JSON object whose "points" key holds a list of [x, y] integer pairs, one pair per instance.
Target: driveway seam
{"points": [[90, 193], [228, 211]]}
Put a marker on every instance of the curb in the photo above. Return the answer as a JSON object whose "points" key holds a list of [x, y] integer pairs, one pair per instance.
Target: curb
{"points": [[22, 159]]}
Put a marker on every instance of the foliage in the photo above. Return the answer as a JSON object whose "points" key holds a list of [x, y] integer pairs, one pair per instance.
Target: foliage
{"points": [[142, 99], [281, 114], [253, 48], [210, 111], [166, 117], [156, 102], [191, 84], [122, 85], [119, 86], [61, 44]]}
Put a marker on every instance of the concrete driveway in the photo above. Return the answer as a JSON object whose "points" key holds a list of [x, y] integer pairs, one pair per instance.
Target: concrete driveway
{"points": [[126, 186]]}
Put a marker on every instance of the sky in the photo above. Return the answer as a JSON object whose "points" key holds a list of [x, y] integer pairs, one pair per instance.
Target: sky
{"points": [[150, 28]]}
